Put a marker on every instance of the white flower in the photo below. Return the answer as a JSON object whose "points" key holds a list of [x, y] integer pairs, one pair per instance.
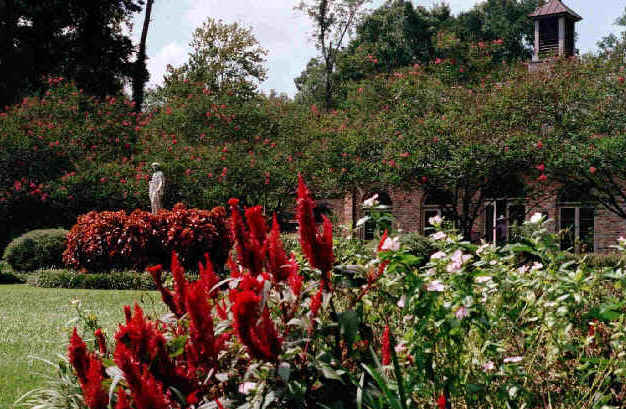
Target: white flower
{"points": [[439, 236], [246, 387], [482, 279], [536, 266], [438, 255], [458, 259], [493, 262], [401, 348], [461, 313], [435, 220], [402, 301], [513, 359], [436, 286], [362, 221], [371, 202], [522, 269], [391, 244], [536, 218], [482, 248], [489, 366]]}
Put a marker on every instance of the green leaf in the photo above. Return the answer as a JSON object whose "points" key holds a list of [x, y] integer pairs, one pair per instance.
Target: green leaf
{"points": [[349, 323]]}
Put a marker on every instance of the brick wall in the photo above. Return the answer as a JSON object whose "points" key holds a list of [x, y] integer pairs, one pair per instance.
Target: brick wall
{"points": [[408, 208]]}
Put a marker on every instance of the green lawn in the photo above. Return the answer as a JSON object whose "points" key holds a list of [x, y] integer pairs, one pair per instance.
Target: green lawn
{"points": [[36, 322]]}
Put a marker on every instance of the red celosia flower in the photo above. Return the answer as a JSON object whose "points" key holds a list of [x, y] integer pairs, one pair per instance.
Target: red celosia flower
{"points": [[166, 295], [146, 343], [318, 248], [620, 79], [219, 404], [539, 145], [249, 244], [295, 279], [102, 344], [122, 399], [592, 170], [382, 240], [386, 346], [78, 356], [208, 277], [316, 302], [94, 394], [260, 338], [203, 344], [146, 391], [192, 398], [278, 262], [441, 402], [127, 313], [542, 178], [541, 167]]}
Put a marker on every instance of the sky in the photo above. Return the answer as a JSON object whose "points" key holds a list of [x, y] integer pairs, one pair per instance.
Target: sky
{"points": [[286, 33]]}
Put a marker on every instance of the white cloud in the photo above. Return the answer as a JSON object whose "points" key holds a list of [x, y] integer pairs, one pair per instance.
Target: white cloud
{"points": [[172, 53]]}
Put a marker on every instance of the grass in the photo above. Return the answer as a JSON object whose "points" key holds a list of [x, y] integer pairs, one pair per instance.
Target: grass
{"points": [[36, 322]]}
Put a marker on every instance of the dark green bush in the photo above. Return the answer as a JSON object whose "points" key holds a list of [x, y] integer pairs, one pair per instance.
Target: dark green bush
{"points": [[110, 281], [9, 278], [611, 260], [419, 246], [36, 249]]}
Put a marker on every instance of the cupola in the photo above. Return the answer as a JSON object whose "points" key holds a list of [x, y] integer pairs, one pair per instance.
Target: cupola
{"points": [[554, 30]]}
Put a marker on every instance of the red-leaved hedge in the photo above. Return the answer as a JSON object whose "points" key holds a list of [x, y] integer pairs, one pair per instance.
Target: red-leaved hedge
{"points": [[102, 241]]}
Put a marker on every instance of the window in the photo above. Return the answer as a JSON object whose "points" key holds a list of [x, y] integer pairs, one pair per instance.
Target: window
{"points": [[436, 203], [577, 219], [578, 228], [369, 229], [502, 216]]}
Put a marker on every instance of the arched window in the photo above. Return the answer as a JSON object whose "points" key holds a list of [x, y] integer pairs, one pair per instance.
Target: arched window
{"points": [[576, 219], [436, 203], [384, 202]]}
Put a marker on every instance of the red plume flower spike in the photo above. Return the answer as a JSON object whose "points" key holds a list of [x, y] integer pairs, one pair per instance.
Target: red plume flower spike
{"points": [[386, 346], [295, 279], [208, 276], [166, 295], [122, 399], [94, 394], [102, 344], [78, 356], [249, 244], [146, 391], [277, 258], [261, 339], [316, 302], [382, 241], [441, 402], [201, 331], [318, 248]]}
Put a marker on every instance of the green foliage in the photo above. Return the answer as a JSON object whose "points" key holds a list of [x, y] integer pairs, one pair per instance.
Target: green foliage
{"points": [[225, 58], [95, 52], [418, 245], [120, 280], [36, 249]]}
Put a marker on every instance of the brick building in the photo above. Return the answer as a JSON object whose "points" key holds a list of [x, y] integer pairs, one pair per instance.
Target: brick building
{"points": [[583, 224]]}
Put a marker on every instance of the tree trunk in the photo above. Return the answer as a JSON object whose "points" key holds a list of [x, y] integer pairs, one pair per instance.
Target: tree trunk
{"points": [[141, 73]]}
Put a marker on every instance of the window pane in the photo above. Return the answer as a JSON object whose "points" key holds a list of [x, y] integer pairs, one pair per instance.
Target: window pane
{"points": [[517, 215], [587, 229], [428, 213], [489, 224], [501, 222], [568, 227]]}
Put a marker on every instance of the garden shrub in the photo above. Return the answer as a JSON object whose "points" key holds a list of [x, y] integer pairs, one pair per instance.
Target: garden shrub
{"points": [[102, 241], [9, 278], [611, 260], [118, 280], [36, 249], [419, 246]]}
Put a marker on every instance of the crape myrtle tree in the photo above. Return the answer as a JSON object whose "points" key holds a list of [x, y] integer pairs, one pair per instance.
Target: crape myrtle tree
{"points": [[225, 58], [81, 41]]}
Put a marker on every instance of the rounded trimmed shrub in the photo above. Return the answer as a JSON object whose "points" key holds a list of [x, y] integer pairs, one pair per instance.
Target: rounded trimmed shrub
{"points": [[36, 249], [105, 241]]}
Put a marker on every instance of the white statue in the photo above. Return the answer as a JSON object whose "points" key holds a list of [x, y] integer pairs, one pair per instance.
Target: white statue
{"points": [[156, 189]]}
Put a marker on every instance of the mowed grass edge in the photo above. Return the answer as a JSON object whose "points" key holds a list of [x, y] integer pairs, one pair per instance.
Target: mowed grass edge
{"points": [[37, 322]]}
